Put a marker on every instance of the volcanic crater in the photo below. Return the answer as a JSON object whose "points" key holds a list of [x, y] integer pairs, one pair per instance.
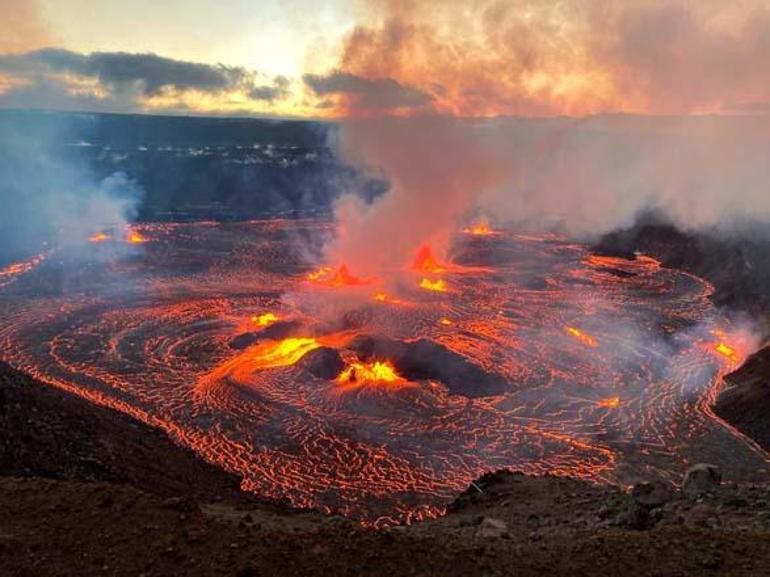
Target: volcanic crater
{"points": [[348, 395]]}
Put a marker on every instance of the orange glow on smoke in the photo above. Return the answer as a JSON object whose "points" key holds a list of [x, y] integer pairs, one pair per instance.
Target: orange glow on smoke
{"points": [[376, 372], [610, 403], [584, 338], [426, 262], [265, 319], [380, 297], [343, 278], [431, 285], [135, 238], [99, 237]]}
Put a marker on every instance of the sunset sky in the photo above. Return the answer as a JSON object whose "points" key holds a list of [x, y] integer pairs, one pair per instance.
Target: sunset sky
{"points": [[351, 57]]}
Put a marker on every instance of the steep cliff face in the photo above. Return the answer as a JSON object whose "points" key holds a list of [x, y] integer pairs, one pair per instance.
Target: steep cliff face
{"points": [[745, 400]]}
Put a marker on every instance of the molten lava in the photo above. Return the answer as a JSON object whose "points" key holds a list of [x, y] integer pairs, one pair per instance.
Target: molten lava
{"points": [[426, 262], [320, 274], [433, 285], [726, 351], [135, 238], [282, 353], [265, 319], [610, 403], [587, 340], [99, 237], [340, 278], [446, 322], [375, 372], [481, 228]]}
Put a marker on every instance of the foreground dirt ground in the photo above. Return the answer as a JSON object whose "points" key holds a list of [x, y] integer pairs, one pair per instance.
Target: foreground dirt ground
{"points": [[86, 491], [72, 528]]}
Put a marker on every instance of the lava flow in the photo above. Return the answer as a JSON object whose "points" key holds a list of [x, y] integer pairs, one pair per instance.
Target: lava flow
{"points": [[375, 372], [542, 358]]}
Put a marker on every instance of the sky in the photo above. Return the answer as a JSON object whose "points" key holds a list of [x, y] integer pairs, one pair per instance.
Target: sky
{"points": [[338, 58]]}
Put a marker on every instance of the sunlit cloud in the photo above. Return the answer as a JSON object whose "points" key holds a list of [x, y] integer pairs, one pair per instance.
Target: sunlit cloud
{"points": [[125, 82]]}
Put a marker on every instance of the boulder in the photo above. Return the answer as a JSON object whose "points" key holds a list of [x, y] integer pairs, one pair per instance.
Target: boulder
{"points": [[323, 363], [491, 527], [701, 479], [651, 495]]}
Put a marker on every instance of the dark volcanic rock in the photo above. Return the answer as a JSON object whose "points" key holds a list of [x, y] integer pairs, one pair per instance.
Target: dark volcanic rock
{"points": [[654, 494], [276, 331], [701, 479], [45, 432], [324, 363], [424, 359], [745, 401]]}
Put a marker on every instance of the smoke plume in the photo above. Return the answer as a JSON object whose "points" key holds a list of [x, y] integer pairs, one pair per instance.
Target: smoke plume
{"points": [[670, 62], [23, 26], [52, 198]]}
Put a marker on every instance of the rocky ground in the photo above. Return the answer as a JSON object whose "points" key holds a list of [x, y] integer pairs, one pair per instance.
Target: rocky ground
{"points": [[86, 491]]}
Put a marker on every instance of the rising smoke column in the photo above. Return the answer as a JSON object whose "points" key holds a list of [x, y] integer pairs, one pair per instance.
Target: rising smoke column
{"points": [[583, 175], [436, 167]]}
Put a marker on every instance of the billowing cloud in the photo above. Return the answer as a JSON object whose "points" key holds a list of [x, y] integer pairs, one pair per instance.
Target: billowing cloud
{"points": [[24, 27], [367, 94], [123, 81], [565, 57]]}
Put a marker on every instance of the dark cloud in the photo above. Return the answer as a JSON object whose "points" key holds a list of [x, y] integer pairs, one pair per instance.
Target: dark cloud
{"points": [[368, 93], [126, 78], [279, 89]]}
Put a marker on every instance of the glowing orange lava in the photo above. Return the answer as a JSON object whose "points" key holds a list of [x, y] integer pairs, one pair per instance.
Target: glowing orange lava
{"points": [[610, 403], [380, 297], [446, 322], [265, 319], [340, 278], [426, 262], [433, 285], [726, 351], [282, 353], [318, 275], [480, 229], [376, 372], [99, 237], [587, 340], [135, 238], [13, 270]]}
